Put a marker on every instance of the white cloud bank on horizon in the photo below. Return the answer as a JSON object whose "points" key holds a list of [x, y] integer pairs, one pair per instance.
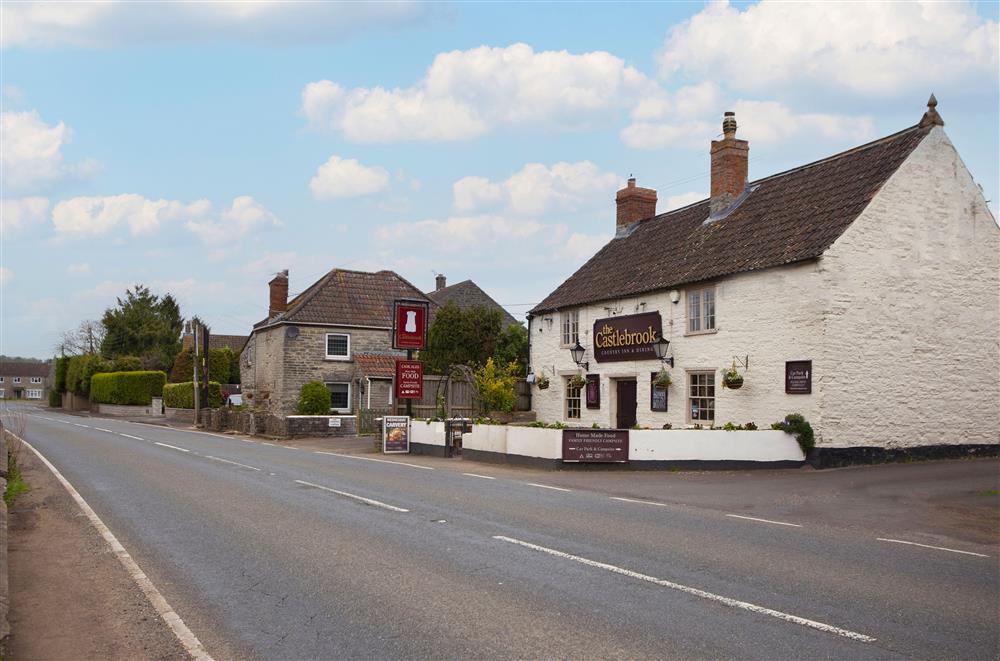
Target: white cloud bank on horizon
{"points": [[346, 177], [870, 48], [108, 24], [97, 216]]}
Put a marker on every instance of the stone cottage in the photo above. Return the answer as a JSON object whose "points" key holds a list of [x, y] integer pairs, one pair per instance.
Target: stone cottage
{"points": [[338, 331], [860, 291]]}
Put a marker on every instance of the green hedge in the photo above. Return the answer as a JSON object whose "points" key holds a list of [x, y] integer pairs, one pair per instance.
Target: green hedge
{"points": [[127, 364], [130, 388], [81, 369], [62, 364], [181, 395], [55, 399], [314, 399]]}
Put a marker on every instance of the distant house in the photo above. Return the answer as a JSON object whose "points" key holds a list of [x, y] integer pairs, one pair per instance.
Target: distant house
{"points": [[25, 379], [337, 331], [215, 341], [465, 295]]}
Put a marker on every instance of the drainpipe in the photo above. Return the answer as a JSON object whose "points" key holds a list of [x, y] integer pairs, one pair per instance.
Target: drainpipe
{"points": [[369, 382], [530, 402]]}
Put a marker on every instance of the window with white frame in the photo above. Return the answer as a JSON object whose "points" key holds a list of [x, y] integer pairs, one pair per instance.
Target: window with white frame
{"points": [[2, 393], [17, 379], [34, 394], [701, 310], [338, 346], [36, 379], [572, 400], [340, 397], [570, 327], [701, 397]]}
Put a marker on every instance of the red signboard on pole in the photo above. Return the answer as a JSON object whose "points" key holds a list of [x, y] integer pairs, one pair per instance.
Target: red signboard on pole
{"points": [[409, 325], [409, 379]]}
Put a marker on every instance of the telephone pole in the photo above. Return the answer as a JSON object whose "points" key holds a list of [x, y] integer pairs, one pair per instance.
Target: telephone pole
{"points": [[194, 381]]}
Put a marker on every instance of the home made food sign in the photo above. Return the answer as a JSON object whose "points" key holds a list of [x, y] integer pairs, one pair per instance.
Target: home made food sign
{"points": [[629, 337]]}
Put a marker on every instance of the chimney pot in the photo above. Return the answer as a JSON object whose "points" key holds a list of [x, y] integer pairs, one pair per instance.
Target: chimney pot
{"points": [[729, 167], [278, 290], [440, 282], [634, 204]]}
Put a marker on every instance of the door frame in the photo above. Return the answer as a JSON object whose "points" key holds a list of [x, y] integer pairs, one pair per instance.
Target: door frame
{"points": [[617, 408]]}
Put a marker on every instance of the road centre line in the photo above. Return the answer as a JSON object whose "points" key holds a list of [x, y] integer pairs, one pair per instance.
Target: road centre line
{"points": [[641, 502], [381, 461], [367, 501], [928, 546], [77, 424], [735, 603], [172, 447], [234, 463], [485, 477], [105, 430], [752, 518], [130, 436], [545, 486], [187, 638], [266, 443]]}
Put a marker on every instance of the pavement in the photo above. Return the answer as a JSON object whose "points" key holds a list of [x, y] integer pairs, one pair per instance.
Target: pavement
{"points": [[320, 549]]}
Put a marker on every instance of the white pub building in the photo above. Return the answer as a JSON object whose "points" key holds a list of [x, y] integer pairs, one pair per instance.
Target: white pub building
{"points": [[861, 291]]}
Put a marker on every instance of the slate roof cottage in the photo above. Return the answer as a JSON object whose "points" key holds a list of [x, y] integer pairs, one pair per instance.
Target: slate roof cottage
{"points": [[877, 269], [466, 295], [337, 331]]}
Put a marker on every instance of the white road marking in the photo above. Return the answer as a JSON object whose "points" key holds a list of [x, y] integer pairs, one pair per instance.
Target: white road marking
{"points": [[928, 546], [172, 447], [105, 430], [485, 477], [234, 463], [381, 461], [290, 447], [368, 501], [777, 523], [173, 620], [735, 603], [545, 486], [266, 443], [131, 436], [641, 502], [77, 424]]}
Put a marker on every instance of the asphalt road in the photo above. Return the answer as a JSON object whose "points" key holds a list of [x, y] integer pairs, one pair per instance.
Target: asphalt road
{"points": [[271, 551]]}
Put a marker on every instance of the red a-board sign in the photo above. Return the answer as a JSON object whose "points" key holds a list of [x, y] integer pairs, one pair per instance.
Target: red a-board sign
{"points": [[409, 379], [409, 324]]}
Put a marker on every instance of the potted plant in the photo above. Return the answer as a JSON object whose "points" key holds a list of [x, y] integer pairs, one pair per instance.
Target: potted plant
{"points": [[577, 381], [542, 381], [731, 378], [663, 379]]}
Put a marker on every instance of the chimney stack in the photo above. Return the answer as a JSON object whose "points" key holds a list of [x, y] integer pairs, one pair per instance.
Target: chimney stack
{"points": [[729, 167], [439, 282], [279, 294], [634, 204]]}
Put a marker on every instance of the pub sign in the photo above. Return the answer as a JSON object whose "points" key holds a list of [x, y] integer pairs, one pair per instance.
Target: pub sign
{"points": [[409, 379], [798, 377], [605, 446], [629, 337], [409, 324], [593, 391]]}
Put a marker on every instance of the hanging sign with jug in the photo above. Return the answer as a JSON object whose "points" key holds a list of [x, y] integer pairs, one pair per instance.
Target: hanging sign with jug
{"points": [[409, 324]]}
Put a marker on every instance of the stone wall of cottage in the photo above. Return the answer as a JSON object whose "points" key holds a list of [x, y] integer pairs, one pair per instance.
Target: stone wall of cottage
{"points": [[260, 367], [913, 327], [772, 316]]}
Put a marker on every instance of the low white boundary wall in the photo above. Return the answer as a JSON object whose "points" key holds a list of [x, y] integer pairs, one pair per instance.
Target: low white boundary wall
{"points": [[644, 444], [427, 433]]}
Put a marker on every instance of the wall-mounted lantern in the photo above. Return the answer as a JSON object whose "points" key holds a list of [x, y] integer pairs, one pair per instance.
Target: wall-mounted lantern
{"points": [[577, 352], [660, 345]]}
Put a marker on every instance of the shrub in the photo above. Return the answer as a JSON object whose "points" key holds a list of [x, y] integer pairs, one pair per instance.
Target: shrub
{"points": [[62, 364], [220, 363], [55, 398], [314, 399], [796, 425], [181, 395], [183, 368], [80, 371], [135, 388], [126, 364], [496, 386]]}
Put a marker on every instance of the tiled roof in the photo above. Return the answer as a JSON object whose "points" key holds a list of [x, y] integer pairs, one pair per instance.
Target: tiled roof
{"points": [[376, 365], [787, 217], [350, 298], [467, 294], [234, 342], [24, 368]]}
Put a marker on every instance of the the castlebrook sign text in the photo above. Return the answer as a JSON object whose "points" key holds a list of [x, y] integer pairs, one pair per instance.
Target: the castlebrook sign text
{"points": [[629, 337]]}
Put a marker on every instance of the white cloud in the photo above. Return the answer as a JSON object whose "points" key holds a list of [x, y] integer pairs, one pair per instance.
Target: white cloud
{"points": [[872, 48], [104, 24], [466, 94], [457, 233], [18, 214], [538, 189], [346, 177], [82, 268], [97, 216], [32, 149], [578, 248], [6, 275], [681, 200]]}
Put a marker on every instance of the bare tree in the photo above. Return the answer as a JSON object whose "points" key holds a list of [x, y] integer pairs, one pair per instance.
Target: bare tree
{"points": [[86, 338]]}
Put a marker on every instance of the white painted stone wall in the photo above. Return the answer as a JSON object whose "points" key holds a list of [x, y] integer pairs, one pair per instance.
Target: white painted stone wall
{"points": [[913, 326], [428, 433], [773, 316]]}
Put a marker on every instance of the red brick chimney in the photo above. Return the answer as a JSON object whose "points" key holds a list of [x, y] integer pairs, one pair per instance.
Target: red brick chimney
{"points": [[279, 294], [634, 204], [729, 167]]}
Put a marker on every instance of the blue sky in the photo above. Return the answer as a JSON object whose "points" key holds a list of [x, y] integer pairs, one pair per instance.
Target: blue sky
{"points": [[200, 148]]}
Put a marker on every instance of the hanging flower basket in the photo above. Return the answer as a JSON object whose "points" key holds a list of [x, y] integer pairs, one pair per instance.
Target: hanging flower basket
{"points": [[663, 379], [542, 382], [731, 378], [577, 381]]}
